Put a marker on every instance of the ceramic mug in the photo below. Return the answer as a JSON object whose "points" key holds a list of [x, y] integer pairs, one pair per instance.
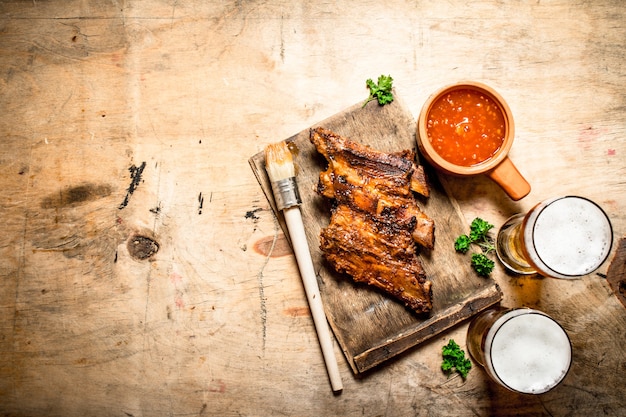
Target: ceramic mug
{"points": [[469, 103]]}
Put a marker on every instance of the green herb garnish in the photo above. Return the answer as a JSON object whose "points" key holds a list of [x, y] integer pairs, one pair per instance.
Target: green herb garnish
{"points": [[381, 91], [479, 229], [462, 243], [454, 359], [478, 235], [481, 264]]}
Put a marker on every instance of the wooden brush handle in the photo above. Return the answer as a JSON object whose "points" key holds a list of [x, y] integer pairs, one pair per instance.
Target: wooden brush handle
{"points": [[293, 218]]}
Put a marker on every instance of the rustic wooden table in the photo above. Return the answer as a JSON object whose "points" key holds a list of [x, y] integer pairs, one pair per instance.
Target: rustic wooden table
{"points": [[136, 272]]}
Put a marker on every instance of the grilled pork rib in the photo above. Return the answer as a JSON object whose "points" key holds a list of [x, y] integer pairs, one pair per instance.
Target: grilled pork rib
{"points": [[375, 220]]}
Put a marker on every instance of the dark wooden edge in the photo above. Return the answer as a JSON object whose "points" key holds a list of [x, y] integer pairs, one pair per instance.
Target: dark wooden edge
{"points": [[616, 273], [444, 320]]}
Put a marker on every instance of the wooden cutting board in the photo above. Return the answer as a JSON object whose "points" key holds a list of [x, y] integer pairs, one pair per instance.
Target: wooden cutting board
{"points": [[370, 326]]}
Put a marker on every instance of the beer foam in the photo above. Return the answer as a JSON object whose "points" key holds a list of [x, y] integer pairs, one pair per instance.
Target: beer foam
{"points": [[568, 237], [529, 352]]}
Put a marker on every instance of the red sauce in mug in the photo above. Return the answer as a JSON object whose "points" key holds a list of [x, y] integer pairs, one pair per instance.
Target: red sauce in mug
{"points": [[465, 127]]}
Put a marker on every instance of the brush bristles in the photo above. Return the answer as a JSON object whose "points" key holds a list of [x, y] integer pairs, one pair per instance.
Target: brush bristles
{"points": [[279, 162]]}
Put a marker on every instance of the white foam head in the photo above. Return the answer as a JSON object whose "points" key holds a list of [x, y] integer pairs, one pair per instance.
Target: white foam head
{"points": [[568, 237], [528, 351]]}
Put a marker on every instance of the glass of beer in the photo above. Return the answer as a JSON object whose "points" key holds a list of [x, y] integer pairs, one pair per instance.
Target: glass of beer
{"points": [[521, 349], [562, 237]]}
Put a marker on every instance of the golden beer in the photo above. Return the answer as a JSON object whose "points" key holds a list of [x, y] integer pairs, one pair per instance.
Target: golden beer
{"points": [[521, 349], [563, 237]]}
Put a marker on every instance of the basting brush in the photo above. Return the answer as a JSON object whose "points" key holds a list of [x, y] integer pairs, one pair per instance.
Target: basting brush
{"points": [[282, 173]]}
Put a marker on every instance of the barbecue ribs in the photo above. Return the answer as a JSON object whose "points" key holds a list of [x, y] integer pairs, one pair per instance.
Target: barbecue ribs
{"points": [[375, 220]]}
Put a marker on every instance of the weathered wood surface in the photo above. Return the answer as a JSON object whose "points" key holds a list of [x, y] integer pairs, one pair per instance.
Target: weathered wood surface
{"points": [[216, 322], [370, 326]]}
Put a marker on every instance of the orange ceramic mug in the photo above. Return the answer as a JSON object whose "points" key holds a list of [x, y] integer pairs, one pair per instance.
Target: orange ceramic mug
{"points": [[467, 129]]}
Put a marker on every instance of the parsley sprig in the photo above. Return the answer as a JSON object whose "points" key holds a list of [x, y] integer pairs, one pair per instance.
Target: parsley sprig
{"points": [[381, 91], [454, 359], [478, 235]]}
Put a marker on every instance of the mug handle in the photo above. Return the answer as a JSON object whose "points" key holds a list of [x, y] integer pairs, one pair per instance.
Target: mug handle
{"points": [[509, 179]]}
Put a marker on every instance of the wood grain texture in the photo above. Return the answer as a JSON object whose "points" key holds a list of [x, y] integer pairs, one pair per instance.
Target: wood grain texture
{"points": [[216, 321]]}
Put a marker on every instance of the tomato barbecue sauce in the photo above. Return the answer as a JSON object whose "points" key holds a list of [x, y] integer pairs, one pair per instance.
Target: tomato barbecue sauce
{"points": [[465, 127]]}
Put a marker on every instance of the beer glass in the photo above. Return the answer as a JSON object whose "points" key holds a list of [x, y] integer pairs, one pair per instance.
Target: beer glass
{"points": [[562, 237], [521, 349]]}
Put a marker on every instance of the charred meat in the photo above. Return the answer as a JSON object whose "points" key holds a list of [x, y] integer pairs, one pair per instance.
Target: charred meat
{"points": [[375, 221]]}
